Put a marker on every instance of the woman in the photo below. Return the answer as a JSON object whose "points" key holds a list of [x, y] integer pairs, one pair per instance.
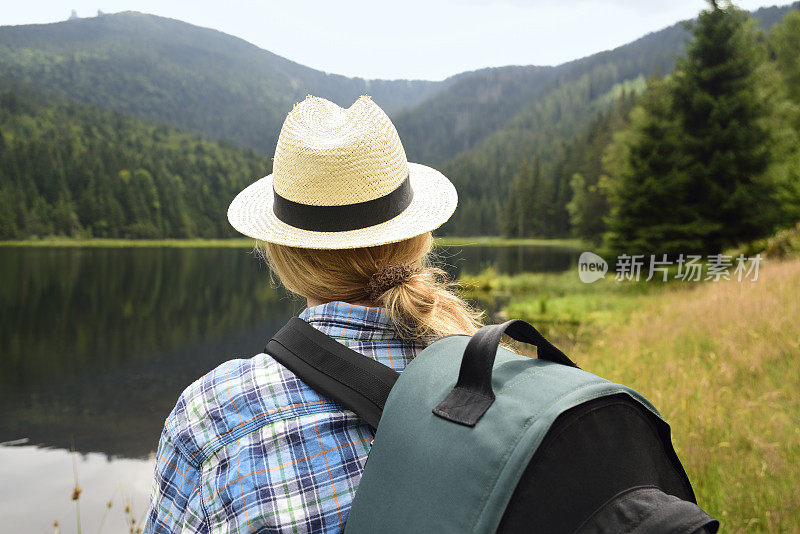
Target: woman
{"points": [[346, 221]]}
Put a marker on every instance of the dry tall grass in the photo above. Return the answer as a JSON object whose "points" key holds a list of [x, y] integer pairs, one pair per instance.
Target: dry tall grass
{"points": [[721, 361]]}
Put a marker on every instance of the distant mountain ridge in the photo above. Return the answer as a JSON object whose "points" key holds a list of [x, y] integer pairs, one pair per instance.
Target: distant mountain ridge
{"points": [[223, 87], [477, 127], [195, 78]]}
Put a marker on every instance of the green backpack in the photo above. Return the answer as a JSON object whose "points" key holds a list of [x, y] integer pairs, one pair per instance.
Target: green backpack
{"points": [[473, 438]]}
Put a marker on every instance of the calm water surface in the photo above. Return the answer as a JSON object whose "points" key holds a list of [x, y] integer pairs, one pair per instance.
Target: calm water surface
{"points": [[97, 344]]}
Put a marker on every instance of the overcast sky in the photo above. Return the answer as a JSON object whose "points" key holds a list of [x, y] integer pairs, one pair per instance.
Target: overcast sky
{"points": [[426, 39]]}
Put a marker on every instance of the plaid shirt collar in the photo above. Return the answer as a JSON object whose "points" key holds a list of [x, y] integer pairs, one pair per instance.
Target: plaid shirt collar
{"points": [[345, 321], [365, 329]]}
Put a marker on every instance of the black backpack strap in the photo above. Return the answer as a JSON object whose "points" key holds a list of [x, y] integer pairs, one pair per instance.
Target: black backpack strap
{"points": [[355, 381], [648, 510]]}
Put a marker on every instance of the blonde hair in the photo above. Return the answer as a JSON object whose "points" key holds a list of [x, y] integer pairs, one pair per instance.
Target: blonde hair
{"points": [[422, 306]]}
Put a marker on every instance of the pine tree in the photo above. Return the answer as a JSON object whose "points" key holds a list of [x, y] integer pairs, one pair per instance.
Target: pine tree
{"points": [[652, 210], [690, 175], [722, 116]]}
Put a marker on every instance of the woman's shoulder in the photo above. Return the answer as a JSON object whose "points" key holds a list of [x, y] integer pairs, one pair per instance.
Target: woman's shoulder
{"points": [[234, 399]]}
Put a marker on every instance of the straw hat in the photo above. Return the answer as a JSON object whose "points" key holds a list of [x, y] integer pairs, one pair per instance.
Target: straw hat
{"points": [[341, 180]]}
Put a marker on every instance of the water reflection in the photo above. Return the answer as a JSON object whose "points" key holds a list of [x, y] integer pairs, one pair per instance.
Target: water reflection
{"points": [[97, 344]]}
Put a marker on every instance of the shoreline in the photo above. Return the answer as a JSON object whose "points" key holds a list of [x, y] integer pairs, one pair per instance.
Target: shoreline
{"points": [[478, 241]]}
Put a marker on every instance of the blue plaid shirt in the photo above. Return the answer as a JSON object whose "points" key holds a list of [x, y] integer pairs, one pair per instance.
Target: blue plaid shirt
{"points": [[250, 447]]}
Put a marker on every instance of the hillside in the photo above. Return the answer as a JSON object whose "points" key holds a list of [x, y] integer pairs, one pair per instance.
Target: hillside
{"points": [[564, 107], [73, 170], [195, 78], [477, 127], [475, 104], [480, 103]]}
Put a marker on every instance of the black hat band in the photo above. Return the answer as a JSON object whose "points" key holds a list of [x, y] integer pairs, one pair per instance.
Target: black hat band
{"points": [[345, 217]]}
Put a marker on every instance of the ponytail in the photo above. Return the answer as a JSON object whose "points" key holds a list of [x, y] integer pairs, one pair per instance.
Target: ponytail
{"points": [[421, 305]]}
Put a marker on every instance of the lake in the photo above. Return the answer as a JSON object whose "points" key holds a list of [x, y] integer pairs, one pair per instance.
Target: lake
{"points": [[97, 344]]}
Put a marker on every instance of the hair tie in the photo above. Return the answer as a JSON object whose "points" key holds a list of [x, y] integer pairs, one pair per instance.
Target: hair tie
{"points": [[391, 275]]}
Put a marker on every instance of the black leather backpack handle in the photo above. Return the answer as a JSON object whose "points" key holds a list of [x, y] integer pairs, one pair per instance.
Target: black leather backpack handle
{"points": [[473, 393]]}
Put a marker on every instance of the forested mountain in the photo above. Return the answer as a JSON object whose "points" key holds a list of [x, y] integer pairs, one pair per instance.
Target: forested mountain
{"points": [[195, 78], [70, 169], [485, 129], [483, 142], [536, 206], [564, 107], [483, 174], [475, 104], [479, 103]]}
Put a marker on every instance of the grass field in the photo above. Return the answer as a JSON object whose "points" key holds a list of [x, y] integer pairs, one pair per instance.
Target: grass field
{"points": [[720, 360]]}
